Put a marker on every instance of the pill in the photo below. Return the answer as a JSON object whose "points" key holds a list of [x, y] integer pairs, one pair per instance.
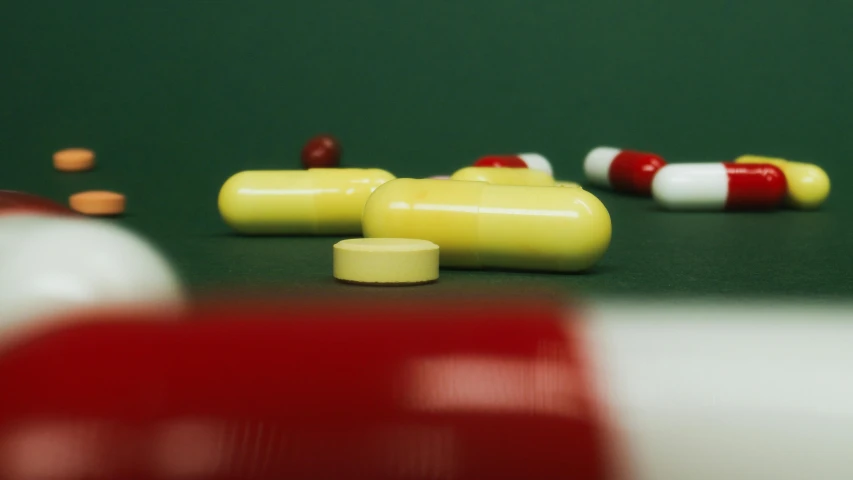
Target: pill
{"points": [[74, 160], [567, 184], [533, 161], [441, 177], [318, 201], [622, 170], [504, 176], [480, 225], [385, 261], [808, 184], [322, 151], [719, 186], [98, 202]]}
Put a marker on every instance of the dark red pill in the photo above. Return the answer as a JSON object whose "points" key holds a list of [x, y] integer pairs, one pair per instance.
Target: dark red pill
{"points": [[322, 151]]}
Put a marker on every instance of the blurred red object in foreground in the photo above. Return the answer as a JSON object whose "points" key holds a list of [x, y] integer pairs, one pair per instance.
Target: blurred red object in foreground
{"points": [[442, 390], [20, 202]]}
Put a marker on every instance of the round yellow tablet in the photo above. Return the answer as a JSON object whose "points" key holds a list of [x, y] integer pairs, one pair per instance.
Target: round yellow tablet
{"points": [[386, 261]]}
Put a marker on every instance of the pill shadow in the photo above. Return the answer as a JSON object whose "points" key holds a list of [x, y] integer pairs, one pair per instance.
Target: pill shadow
{"points": [[593, 271], [232, 234], [383, 285], [659, 209], [607, 193]]}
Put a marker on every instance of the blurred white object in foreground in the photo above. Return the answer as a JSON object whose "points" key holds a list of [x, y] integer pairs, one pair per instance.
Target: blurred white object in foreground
{"points": [[700, 391], [52, 265]]}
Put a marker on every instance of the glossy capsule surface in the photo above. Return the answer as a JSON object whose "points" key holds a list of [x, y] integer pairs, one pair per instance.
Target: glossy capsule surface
{"points": [[318, 201], [808, 184], [719, 186], [504, 176], [500, 161], [479, 225], [622, 170], [533, 161]]}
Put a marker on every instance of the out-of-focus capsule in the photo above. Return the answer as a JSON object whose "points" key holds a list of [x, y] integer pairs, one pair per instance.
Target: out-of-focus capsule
{"points": [[504, 176], [533, 161], [320, 201], [808, 184], [478, 225], [719, 186], [622, 170]]}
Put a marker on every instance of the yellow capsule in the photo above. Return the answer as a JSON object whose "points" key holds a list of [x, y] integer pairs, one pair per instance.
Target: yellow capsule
{"points": [[808, 184], [319, 201], [504, 176], [478, 225]]}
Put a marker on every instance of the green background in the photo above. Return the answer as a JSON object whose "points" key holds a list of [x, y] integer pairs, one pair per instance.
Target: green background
{"points": [[175, 96]]}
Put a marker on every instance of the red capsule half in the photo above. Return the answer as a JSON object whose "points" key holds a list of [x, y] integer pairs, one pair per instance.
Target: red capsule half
{"points": [[533, 161], [506, 161], [302, 390]]}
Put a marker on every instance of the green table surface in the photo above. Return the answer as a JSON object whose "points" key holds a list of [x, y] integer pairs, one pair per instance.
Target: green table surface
{"points": [[175, 96]]}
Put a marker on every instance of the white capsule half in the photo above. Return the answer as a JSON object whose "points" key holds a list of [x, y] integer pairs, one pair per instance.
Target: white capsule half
{"points": [[596, 165], [51, 266], [535, 161], [691, 186], [710, 392]]}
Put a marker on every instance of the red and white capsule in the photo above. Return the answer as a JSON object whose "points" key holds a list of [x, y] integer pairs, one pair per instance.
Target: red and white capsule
{"points": [[470, 390], [533, 161], [622, 170], [719, 186]]}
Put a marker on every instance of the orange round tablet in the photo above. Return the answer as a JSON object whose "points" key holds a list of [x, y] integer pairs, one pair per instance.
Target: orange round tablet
{"points": [[74, 160], [97, 202]]}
